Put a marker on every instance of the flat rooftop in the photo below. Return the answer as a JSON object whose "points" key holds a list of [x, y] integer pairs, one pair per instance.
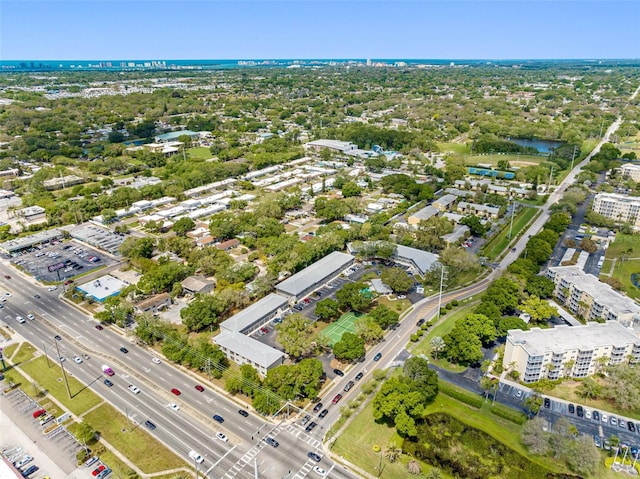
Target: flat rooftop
{"points": [[103, 287], [254, 313], [249, 348], [563, 338], [315, 273]]}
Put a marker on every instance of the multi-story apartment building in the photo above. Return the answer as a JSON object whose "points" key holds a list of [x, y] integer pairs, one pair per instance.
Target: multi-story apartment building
{"points": [[620, 208], [630, 171], [569, 351], [585, 296]]}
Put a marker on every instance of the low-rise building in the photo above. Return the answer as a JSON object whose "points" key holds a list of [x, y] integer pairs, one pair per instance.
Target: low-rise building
{"points": [[484, 211], [154, 304], [586, 296], [333, 145], [197, 284], [445, 202], [424, 214], [569, 351]]}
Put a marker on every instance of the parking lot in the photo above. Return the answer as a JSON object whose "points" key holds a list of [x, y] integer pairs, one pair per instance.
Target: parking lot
{"points": [[23, 441], [60, 261]]}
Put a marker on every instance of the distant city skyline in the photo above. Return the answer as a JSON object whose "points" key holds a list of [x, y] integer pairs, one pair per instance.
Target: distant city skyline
{"points": [[212, 29]]}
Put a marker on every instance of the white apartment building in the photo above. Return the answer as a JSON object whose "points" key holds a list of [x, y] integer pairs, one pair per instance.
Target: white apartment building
{"points": [[569, 351], [620, 208], [586, 296], [630, 171]]}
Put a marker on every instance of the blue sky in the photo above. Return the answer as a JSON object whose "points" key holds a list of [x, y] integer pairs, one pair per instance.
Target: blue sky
{"points": [[212, 29]]}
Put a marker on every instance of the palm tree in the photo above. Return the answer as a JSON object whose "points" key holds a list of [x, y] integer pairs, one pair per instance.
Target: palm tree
{"points": [[434, 474], [568, 367], [414, 468], [437, 346], [392, 452]]}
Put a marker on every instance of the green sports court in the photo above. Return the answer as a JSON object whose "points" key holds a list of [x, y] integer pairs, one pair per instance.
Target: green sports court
{"points": [[346, 324]]}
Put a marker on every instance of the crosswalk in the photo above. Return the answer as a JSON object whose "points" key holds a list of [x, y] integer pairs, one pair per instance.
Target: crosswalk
{"points": [[249, 456]]}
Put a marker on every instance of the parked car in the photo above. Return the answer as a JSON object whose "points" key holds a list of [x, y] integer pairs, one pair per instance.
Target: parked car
{"points": [[359, 376], [572, 409], [310, 426], [317, 407], [91, 461], [348, 386], [30, 470], [547, 403], [580, 411], [338, 372], [323, 413], [337, 398]]}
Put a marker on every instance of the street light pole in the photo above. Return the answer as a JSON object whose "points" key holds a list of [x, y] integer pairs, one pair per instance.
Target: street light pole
{"points": [[575, 150], [64, 373], [513, 208]]}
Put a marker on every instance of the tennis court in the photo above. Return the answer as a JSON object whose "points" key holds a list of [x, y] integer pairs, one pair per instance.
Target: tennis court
{"points": [[346, 324]]}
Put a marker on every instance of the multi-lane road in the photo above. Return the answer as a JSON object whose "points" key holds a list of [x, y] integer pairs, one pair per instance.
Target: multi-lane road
{"points": [[191, 427]]}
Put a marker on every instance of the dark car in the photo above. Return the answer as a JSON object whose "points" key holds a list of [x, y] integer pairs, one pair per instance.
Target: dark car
{"points": [[99, 327], [421, 321], [377, 357], [218, 417], [547, 403], [30, 471], [359, 376], [199, 388], [324, 412], [150, 425], [337, 398], [317, 407], [338, 372], [631, 426], [580, 411], [57, 337], [108, 383], [572, 409], [37, 296], [124, 350], [271, 441], [243, 413], [310, 426], [348, 386], [314, 456], [596, 416]]}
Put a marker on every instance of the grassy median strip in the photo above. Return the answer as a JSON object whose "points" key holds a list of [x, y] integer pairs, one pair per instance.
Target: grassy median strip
{"points": [[132, 441], [50, 378], [25, 353], [500, 242]]}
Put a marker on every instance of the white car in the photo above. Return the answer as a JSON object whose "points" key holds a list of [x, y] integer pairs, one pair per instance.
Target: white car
{"points": [[20, 319], [174, 406], [62, 359], [31, 316], [222, 437], [196, 457], [134, 389], [77, 359], [155, 360], [604, 418], [52, 288], [319, 470], [25, 460], [8, 295], [587, 413]]}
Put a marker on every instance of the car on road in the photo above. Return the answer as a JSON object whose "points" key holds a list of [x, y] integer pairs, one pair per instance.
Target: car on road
{"points": [[547, 403], [150, 425], [8, 295], [99, 327], [243, 413], [196, 457], [310, 426], [174, 406], [62, 359], [98, 470], [199, 388], [222, 437], [218, 418], [52, 288], [134, 389], [108, 383], [421, 321], [20, 319], [580, 411], [313, 456], [359, 376], [107, 370], [323, 413], [338, 372], [320, 471], [305, 420], [513, 250], [337, 398], [124, 350], [37, 296], [348, 386], [176, 391], [317, 407], [271, 441], [31, 316], [572, 409], [155, 360], [77, 359], [377, 357]]}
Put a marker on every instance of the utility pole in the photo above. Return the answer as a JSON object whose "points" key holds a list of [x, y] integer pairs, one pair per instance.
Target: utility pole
{"points": [[44, 348], [64, 373], [575, 150], [513, 208], [443, 272]]}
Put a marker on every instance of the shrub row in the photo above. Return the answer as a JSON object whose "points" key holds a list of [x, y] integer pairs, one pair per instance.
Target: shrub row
{"points": [[509, 414], [460, 394]]}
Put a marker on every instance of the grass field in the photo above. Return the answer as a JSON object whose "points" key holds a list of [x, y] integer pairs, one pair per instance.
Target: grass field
{"points": [[199, 153], [9, 350], [25, 353], [500, 242], [50, 378], [424, 346], [521, 161], [335, 330], [132, 441], [397, 305], [622, 271]]}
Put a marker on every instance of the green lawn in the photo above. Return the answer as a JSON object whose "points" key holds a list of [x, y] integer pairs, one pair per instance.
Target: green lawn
{"points": [[459, 148], [199, 153], [50, 378], [521, 161], [9, 350], [25, 353], [624, 244], [494, 247], [567, 390], [397, 305], [132, 441], [623, 271]]}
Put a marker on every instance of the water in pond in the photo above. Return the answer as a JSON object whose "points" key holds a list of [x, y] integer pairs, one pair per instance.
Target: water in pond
{"points": [[543, 146]]}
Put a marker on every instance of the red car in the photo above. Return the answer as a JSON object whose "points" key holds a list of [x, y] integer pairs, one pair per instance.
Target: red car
{"points": [[98, 470], [176, 391], [199, 388], [337, 398], [39, 413], [264, 330]]}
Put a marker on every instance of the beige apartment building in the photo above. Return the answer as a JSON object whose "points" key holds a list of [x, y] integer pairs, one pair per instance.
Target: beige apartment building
{"points": [[586, 296], [569, 351], [620, 208], [630, 171]]}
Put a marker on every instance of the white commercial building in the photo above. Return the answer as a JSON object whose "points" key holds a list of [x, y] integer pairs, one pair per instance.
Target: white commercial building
{"points": [[630, 171], [620, 208], [569, 351]]}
